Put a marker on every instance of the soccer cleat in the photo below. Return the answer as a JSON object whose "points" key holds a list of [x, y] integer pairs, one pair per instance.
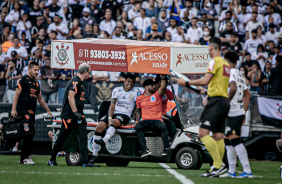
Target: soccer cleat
{"points": [[146, 153], [52, 163], [90, 165], [93, 159], [228, 175], [215, 172], [29, 161], [165, 152], [21, 162], [245, 175], [100, 142]]}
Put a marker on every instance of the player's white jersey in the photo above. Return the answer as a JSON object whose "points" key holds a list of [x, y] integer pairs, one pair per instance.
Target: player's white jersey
{"points": [[236, 104], [125, 100]]}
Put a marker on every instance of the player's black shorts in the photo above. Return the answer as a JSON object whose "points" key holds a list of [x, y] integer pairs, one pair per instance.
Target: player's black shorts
{"points": [[234, 125], [124, 119], [214, 115]]}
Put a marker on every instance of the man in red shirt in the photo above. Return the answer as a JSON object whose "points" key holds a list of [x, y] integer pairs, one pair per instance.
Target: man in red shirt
{"points": [[167, 96], [149, 106]]}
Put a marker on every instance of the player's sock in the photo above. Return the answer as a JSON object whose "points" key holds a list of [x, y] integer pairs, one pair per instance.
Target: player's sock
{"points": [[243, 157], [213, 150], [232, 158], [96, 146], [220, 147], [110, 132]]}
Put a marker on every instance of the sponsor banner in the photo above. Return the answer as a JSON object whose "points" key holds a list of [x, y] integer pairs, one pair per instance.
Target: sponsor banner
{"points": [[271, 111], [62, 55], [101, 57], [192, 60], [143, 59]]}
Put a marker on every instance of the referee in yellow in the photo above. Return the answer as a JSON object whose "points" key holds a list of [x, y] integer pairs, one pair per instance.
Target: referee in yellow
{"points": [[214, 115]]}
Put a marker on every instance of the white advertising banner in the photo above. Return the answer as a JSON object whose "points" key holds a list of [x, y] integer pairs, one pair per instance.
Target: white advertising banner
{"points": [[192, 60], [62, 55]]}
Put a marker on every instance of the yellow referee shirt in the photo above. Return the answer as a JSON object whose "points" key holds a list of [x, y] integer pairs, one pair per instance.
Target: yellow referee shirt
{"points": [[218, 85]]}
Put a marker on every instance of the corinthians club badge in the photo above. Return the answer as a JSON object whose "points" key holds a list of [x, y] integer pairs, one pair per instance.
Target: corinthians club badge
{"points": [[62, 55]]}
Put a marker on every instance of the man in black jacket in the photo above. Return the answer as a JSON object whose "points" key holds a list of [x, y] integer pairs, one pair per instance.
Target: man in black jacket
{"points": [[276, 76]]}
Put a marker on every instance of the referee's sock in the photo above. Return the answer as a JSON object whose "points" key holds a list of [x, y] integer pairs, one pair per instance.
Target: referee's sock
{"points": [[221, 147], [110, 132], [213, 150]]}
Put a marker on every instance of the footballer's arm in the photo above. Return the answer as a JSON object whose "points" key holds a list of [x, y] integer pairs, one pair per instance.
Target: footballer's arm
{"points": [[112, 107]]}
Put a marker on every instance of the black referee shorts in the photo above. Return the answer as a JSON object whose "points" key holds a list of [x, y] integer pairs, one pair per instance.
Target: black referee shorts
{"points": [[234, 125], [124, 119], [214, 115]]}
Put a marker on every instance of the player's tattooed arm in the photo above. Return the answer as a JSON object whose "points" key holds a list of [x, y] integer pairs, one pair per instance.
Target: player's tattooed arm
{"points": [[232, 91], [112, 107]]}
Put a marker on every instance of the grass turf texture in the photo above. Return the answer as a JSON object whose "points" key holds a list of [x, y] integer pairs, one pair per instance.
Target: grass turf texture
{"points": [[136, 172]]}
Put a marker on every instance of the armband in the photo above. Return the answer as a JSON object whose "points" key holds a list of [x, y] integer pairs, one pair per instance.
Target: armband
{"points": [[110, 117]]}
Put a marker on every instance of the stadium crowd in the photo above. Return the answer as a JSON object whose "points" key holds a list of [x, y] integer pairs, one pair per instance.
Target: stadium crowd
{"points": [[251, 28]]}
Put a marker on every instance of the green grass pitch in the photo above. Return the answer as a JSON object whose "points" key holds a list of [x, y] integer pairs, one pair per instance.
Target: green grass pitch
{"points": [[137, 172]]}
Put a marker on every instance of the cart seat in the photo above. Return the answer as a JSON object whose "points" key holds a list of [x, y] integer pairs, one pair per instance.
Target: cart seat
{"points": [[94, 124]]}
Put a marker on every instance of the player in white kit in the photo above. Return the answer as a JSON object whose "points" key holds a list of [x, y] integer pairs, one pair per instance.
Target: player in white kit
{"points": [[122, 105], [239, 97]]}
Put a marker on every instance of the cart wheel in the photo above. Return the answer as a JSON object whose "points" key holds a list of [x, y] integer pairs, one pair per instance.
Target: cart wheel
{"points": [[113, 163], [187, 158], [200, 160], [73, 159]]}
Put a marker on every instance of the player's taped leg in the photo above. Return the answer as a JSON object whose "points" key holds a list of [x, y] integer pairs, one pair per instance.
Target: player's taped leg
{"points": [[231, 156]]}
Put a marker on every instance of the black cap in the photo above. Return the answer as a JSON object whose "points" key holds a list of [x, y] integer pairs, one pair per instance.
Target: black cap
{"points": [[14, 54], [148, 82]]}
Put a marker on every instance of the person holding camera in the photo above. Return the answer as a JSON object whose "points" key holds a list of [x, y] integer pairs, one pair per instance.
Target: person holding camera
{"points": [[73, 117], [12, 75], [24, 107]]}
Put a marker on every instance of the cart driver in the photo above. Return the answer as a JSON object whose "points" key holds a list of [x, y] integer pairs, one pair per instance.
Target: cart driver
{"points": [[149, 107], [122, 105]]}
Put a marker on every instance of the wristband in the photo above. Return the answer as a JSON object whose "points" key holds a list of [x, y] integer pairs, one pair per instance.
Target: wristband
{"points": [[187, 84], [110, 117]]}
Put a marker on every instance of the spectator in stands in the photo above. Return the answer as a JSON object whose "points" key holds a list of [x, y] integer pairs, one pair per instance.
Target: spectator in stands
{"points": [[272, 34], [251, 45], [34, 12], [37, 26], [74, 24], [112, 5], [64, 77], [255, 75], [174, 10], [76, 34], [270, 48], [204, 22], [95, 11], [89, 32], [194, 33], [149, 30], [241, 26], [140, 35], [60, 28], [55, 10], [38, 57], [172, 29], [248, 17], [265, 77], [230, 8], [252, 25], [86, 19], [5, 34], [260, 34], [99, 76], [20, 63], [167, 36], [14, 16], [234, 44], [142, 22], [49, 82], [2, 82], [2, 56], [223, 24], [185, 22], [123, 31], [37, 42], [226, 35], [117, 34], [270, 12], [25, 42], [9, 43], [153, 11], [280, 40], [163, 21], [179, 36], [155, 36], [96, 30], [247, 64], [108, 24], [21, 51], [12, 75], [24, 26], [277, 53], [192, 11], [244, 73], [124, 18], [134, 32], [127, 5], [271, 21], [134, 13], [76, 7], [210, 13], [260, 56], [2, 23], [206, 36], [47, 19], [275, 77], [114, 76]]}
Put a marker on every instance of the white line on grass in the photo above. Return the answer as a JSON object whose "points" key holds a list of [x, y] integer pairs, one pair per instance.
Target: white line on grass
{"points": [[178, 176], [83, 174]]}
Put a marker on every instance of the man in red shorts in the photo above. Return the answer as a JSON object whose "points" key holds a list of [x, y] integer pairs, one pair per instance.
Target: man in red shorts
{"points": [[149, 106]]}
